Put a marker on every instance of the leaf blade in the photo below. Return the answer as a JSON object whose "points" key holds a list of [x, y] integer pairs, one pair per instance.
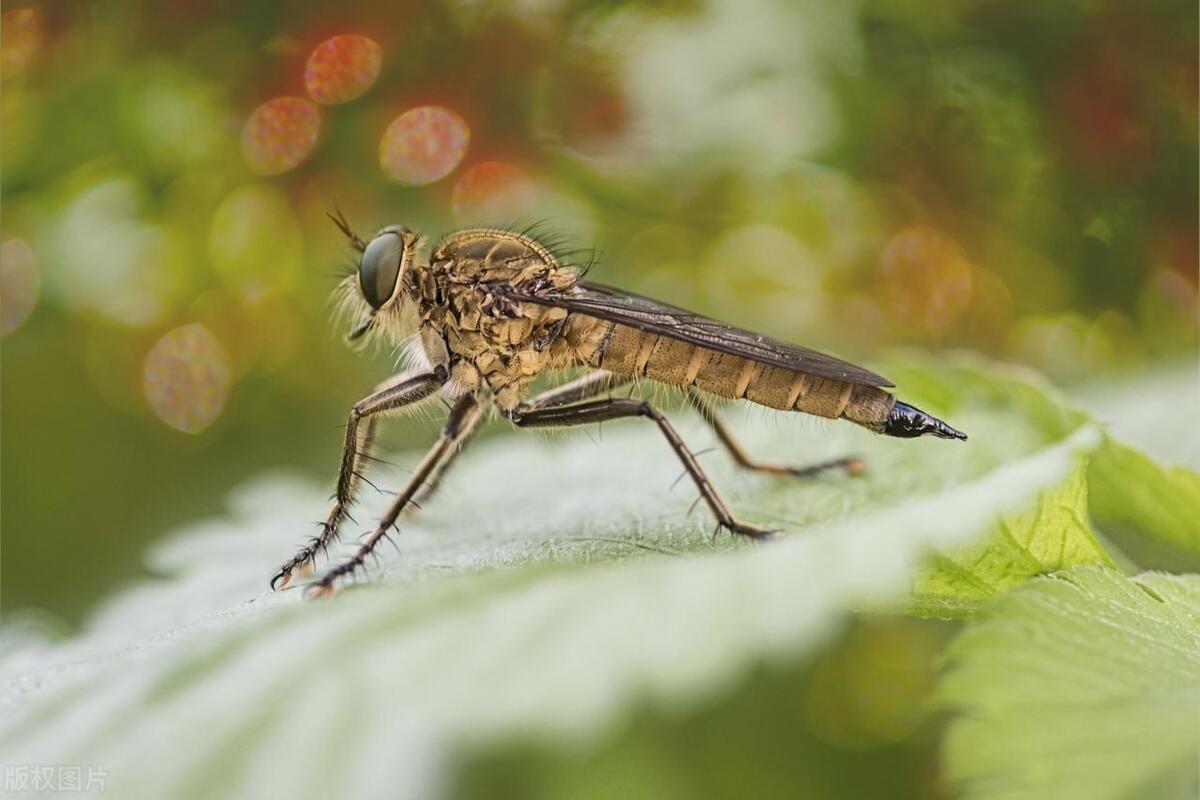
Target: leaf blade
{"points": [[1085, 684]]}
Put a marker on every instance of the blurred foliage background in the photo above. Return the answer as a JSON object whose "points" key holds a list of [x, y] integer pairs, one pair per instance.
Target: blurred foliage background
{"points": [[1017, 178]]}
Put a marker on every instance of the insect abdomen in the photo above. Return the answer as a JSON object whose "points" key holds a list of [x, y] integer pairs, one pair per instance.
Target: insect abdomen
{"points": [[627, 351]]}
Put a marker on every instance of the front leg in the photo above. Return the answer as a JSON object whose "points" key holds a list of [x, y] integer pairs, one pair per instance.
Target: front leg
{"points": [[402, 391], [462, 417], [603, 410]]}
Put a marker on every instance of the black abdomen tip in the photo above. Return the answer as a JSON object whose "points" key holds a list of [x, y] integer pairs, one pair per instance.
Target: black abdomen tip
{"points": [[909, 422]]}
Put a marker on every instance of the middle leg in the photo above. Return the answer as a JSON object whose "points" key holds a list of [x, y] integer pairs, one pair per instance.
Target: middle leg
{"points": [[583, 387], [604, 410]]}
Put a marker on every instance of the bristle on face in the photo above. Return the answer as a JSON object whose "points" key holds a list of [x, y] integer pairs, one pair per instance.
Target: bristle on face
{"points": [[909, 422]]}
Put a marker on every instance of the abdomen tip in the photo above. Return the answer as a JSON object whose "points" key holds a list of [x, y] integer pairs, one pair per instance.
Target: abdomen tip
{"points": [[909, 422]]}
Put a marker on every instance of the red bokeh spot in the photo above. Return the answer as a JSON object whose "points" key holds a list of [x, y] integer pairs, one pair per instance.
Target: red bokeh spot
{"points": [[280, 134], [492, 191], [186, 378], [423, 145], [342, 68]]}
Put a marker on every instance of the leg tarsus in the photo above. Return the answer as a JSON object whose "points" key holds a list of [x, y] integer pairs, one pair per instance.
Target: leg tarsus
{"points": [[746, 529]]}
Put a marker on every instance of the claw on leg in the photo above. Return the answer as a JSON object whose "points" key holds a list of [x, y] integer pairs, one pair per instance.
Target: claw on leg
{"points": [[302, 564], [281, 580]]}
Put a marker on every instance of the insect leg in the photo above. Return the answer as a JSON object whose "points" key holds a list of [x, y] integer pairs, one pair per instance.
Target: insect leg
{"points": [[360, 425], [461, 416], [589, 385], [465, 434], [616, 408], [851, 464]]}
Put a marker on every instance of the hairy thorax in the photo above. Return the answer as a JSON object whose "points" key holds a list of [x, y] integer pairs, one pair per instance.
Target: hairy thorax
{"points": [[484, 339]]}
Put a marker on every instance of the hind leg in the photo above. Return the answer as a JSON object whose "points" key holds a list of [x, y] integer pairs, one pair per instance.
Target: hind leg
{"points": [[852, 465]]}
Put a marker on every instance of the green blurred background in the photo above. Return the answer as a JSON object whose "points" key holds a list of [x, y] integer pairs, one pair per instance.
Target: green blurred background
{"points": [[1016, 178]]}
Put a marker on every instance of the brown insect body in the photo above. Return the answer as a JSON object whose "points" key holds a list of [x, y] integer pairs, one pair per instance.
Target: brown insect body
{"points": [[472, 296], [494, 309], [627, 351]]}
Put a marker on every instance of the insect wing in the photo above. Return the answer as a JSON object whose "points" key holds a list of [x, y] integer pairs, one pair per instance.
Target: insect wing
{"points": [[646, 314]]}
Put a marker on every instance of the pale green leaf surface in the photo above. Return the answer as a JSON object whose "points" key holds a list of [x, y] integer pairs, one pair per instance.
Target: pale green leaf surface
{"points": [[1155, 412], [1082, 685], [1145, 476], [554, 585], [1131, 489]]}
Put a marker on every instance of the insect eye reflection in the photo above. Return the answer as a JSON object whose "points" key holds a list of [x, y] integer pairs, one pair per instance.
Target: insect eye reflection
{"points": [[380, 268]]}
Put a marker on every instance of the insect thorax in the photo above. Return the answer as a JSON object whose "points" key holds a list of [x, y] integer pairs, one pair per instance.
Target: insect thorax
{"points": [[491, 341]]}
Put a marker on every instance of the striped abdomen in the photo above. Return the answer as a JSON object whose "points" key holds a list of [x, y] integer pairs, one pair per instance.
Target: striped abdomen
{"points": [[627, 351]]}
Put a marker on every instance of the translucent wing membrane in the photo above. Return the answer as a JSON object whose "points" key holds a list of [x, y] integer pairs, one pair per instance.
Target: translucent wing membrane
{"points": [[644, 313]]}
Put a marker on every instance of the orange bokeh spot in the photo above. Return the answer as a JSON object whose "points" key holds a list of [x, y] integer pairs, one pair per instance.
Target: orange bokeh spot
{"points": [[20, 34], [926, 279], [186, 378], [342, 68], [492, 191], [423, 145], [280, 134]]}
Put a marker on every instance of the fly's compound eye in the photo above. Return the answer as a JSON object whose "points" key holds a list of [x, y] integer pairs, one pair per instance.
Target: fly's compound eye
{"points": [[380, 268]]}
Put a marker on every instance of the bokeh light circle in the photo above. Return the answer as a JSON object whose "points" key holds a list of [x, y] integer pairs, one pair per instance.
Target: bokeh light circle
{"points": [[342, 68], [186, 378], [20, 35], [492, 191], [926, 279], [423, 145], [18, 284], [280, 134]]}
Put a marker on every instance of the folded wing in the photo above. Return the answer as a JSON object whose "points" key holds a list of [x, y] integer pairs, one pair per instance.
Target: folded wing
{"points": [[616, 305]]}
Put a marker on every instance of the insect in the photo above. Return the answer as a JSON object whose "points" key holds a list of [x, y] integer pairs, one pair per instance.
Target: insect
{"points": [[492, 308]]}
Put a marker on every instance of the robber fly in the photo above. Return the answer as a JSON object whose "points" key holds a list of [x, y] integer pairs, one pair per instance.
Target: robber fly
{"points": [[491, 309]]}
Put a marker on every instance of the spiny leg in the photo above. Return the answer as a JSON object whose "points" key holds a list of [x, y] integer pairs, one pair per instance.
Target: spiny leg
{"points": [[465, 408], [360, 426], [466, 432], [616, 408], [583, 387], [851, 464]]}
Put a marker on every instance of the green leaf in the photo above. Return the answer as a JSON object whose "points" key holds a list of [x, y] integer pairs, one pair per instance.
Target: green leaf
{"points": [[1154, 412], [1082, 685], [1144, 477], [554, 588], [1048, 536], [1132, 490]]}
